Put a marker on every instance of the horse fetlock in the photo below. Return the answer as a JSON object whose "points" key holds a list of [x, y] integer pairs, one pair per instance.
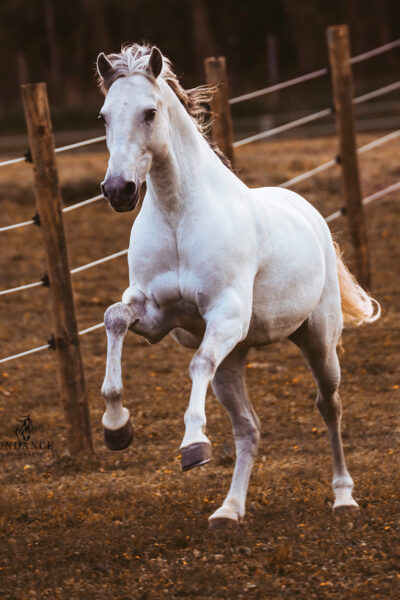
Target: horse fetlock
{"points": [[111, 393], [342, 482], [246, 447], [115, 417]]}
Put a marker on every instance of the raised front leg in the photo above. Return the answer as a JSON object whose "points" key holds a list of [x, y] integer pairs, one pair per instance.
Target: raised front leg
{"points": [[144, 317], [224, 329], [118, 432], [230, 388]]}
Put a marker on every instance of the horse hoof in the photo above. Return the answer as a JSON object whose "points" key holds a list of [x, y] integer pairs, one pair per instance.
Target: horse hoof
{"points": [[195, 455], [343, 508], [222, 523], [119, 439], [344, 501]]}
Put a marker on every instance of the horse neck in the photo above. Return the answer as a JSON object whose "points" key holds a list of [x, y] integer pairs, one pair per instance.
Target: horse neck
{"points": [[176, 179]]}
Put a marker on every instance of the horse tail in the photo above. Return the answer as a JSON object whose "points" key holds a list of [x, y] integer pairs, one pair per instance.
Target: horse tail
{"points": [[357, 306]]}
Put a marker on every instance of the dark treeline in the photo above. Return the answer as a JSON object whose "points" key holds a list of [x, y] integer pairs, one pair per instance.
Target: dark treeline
{"points": [[263, 40]]}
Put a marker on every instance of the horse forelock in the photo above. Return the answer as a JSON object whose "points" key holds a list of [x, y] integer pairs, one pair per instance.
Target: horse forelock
{"points": [[134, 58]]}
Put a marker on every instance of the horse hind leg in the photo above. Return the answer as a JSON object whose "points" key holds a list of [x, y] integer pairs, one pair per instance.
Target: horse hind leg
{"points": [[118, 431], [318, 343], [230, 388]]}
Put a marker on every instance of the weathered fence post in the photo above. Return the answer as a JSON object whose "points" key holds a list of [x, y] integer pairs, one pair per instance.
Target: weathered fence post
{"points": [[222, 132], [49, 205], [339, 55]]}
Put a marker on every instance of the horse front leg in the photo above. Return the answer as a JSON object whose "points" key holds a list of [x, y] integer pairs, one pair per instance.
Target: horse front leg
{"points": [[224, 329], [229, 386], [142, 316], [118, 431]]}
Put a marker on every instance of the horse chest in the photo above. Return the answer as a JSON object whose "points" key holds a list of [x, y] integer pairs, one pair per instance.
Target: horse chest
{"points": [[168, 268]]}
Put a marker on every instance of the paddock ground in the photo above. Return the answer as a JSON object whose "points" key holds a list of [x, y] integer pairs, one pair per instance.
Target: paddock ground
{"points": [[131, 525]]}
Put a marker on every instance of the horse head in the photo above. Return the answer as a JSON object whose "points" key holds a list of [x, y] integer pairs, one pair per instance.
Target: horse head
{"points": [[136, 122]]}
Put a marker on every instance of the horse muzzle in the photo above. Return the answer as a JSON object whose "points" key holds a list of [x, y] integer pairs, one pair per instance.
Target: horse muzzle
{"points": [[122, 195]]}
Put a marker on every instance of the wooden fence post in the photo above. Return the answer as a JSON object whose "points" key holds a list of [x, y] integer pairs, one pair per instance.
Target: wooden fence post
{"points": [[339, 55], [49, 205], [222, 132]]}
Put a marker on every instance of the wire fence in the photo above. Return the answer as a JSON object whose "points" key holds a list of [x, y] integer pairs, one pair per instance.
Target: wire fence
{"points": [[44, 281], [12, 161], [101, 138], [73, 146], [285, 127], [375, 52], [20, 288], [294, 180], [376, 93], [281, 128], [83, 203], [331, 163], [313, 75], [35, 221], [17, 225], [279, 86], [100, 261], [48, 346], [315, 116], [257, 93], [367, 200]]}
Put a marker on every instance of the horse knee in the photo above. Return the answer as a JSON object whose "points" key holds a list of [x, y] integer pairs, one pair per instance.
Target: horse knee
{"points": [[117, 319], [203, 363]]}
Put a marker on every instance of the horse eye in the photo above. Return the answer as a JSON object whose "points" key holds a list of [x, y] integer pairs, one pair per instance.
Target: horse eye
{"points": [[149, 115]]}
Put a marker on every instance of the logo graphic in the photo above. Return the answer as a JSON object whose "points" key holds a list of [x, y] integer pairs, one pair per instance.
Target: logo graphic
{"points": [[23, 431], [25, 444]]}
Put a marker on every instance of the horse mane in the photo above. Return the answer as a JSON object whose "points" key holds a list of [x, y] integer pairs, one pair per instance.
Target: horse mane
{"points": [[134, 58]]}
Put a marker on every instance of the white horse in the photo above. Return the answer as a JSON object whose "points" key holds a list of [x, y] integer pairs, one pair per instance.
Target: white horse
{"points": [[219, 266]]}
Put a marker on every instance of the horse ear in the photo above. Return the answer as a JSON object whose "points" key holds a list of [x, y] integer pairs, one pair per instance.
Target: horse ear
{"points": [[104, 67], [155, 62]]}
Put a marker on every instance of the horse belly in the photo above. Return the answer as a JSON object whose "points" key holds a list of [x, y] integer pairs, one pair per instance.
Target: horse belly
{"points": [[189, 338]]}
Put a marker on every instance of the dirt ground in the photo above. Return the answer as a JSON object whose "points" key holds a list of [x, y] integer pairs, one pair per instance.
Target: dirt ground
{"points": [[131, 525]]}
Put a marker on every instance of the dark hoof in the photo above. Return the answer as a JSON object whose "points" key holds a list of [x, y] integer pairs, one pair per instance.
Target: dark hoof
{"points": [[119, 439], [222, 523], [195, 455]]}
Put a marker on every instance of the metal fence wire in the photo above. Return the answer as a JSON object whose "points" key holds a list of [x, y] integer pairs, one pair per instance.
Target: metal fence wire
{"points": [[262, 135]]}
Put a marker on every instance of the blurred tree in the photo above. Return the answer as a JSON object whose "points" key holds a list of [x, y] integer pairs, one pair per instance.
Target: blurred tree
{"points": [[204, 45], [58, 40], [307, 27], [51, 31], [99, 38]]}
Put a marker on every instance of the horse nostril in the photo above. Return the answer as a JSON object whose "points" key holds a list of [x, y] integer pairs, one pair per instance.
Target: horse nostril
{"points": [[103, 190], [130, 187]]}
